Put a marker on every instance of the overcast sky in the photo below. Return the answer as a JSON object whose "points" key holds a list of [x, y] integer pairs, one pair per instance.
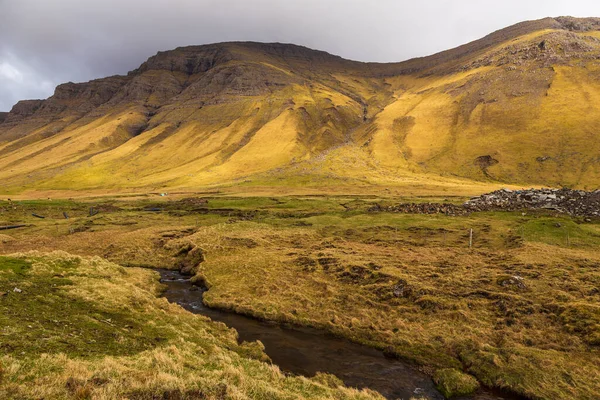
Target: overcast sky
{"points": [[47, 42]]}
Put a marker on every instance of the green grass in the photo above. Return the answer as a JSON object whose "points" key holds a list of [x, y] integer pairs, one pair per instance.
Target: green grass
{"points": [[453, 383], [43, 318], [560, 231], [14, 265]]}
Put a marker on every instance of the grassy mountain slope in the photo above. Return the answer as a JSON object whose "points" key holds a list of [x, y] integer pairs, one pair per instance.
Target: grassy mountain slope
{"points": [[517, 106]]}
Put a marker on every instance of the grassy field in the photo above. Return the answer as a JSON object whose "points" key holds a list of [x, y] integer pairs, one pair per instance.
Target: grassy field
{"points": [[84, 328], [517, 311]]}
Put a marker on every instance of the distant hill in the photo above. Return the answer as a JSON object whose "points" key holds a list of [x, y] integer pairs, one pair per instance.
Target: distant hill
{"points": [[519, 106]]}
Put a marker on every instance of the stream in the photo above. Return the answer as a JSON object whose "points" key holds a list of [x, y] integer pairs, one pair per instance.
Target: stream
{"points": [[306, 351]]}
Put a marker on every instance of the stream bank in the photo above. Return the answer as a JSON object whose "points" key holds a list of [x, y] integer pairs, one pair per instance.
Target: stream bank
{"points": [[306, 351]]}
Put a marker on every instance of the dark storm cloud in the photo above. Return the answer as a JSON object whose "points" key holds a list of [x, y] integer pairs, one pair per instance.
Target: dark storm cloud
{"points": [[47, 42]]}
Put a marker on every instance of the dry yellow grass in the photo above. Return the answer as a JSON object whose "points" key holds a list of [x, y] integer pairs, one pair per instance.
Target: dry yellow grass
{"points": [[454, 308]]}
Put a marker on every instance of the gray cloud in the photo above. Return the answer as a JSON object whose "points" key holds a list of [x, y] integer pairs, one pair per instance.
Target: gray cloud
{"points": [[47, 42]]}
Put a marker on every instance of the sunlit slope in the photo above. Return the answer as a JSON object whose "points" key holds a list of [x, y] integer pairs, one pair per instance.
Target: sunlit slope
{"points": [[168, 128], [516, 107], [214, 144], [521, 114]]}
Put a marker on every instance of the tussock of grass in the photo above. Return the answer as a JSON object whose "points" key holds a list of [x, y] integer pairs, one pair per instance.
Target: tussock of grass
{"points": [[453, 383]]}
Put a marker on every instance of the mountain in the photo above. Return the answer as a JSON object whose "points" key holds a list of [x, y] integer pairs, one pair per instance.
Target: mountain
{"points": [[518, 106]]}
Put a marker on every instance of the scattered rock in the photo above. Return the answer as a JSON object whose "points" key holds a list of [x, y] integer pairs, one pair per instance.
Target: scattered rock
{"points": [[419, 391], [572, 202], [515, 281], [402, 289], [17, 290]]}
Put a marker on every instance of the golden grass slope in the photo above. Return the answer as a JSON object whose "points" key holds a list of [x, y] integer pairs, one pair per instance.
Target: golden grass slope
{"points": [[537, 120], [517, 107]]}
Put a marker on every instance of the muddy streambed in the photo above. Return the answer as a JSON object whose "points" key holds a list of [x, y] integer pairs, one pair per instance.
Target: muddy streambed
{"points": [[306, 351]]}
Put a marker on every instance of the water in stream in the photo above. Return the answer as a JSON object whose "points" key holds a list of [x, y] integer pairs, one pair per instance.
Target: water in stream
{"points": [[306, 351]]}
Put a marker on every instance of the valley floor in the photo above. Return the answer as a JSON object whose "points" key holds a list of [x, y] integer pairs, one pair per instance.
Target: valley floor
{"points": [[518, 311]]}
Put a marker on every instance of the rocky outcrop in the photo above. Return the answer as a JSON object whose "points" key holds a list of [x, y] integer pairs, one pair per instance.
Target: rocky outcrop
{"points": [[208, 74], [71, 98], [246, 68], [82, 98], [218, 98], [579, 24], [23, 109], [188, 60], [153, 89], [3, 116], [236, 80], [466, 57], [572, 202]]}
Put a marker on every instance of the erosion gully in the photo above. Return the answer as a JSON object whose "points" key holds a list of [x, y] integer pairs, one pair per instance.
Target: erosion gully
{"points": [[306, 351]]}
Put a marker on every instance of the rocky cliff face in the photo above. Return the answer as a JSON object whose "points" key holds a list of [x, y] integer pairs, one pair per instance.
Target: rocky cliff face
{"points": [[579, 24], [75, 99], [23, 109], [188, 60]]}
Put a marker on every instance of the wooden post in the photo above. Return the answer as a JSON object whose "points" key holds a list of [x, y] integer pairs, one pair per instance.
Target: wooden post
{"points": [[471, 238]]}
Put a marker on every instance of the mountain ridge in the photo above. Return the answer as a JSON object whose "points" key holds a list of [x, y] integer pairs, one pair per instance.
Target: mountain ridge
{"points": [[247, 108]]}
